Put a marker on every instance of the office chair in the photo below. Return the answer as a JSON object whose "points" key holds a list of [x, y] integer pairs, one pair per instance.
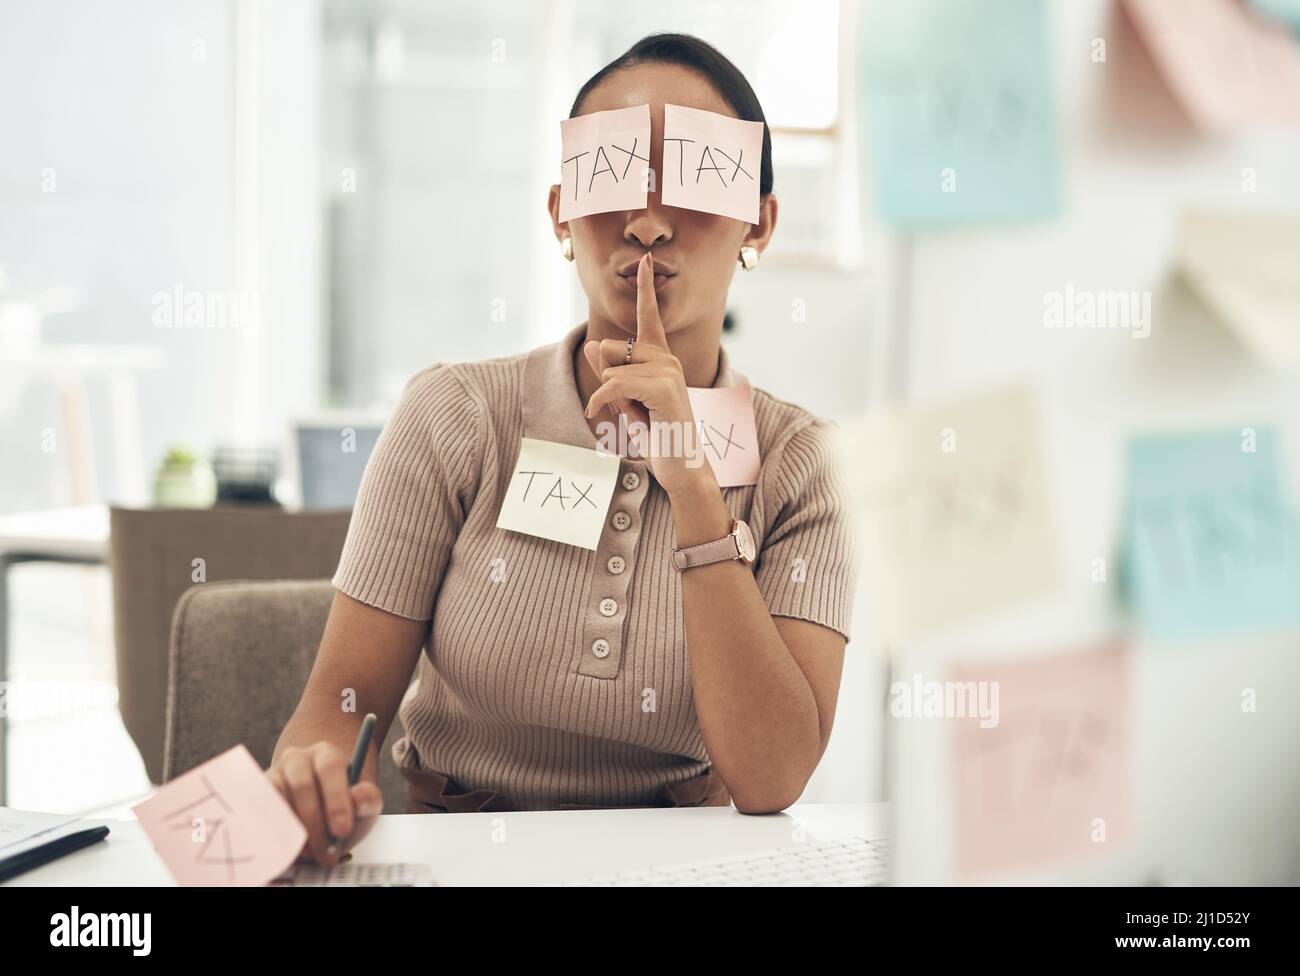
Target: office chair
{"points": [[239, 659]]}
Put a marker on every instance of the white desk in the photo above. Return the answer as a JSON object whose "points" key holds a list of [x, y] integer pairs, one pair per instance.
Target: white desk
{"points": [[79, 533], [515, 848]]}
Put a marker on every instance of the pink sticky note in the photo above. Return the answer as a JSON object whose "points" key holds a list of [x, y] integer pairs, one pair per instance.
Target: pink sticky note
{"points": [[724, 417], [711, 162], [223, 823], [1226, 65], [604, 161], [1048, 784]]}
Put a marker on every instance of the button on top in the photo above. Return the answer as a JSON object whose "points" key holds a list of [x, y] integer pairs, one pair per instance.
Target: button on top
{"points": [[600, 647], [616, 565], [622, 520], [608, 607], [631, 480]]}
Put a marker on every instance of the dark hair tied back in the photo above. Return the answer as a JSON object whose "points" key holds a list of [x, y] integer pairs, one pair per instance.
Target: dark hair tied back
{"points": [[691, 52]]}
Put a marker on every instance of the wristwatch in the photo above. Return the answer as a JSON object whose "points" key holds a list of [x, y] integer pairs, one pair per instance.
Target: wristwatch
{"points": [[736, 544]]}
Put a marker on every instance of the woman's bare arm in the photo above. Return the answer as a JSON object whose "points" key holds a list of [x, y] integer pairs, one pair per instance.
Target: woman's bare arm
{"points": [[365, 663]]}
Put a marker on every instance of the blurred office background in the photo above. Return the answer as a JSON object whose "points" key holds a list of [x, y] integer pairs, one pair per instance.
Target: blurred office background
{"points": [[375, 173]]}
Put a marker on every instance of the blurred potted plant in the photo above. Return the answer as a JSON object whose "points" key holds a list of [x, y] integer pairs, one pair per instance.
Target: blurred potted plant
{"points": [[184, 481]]}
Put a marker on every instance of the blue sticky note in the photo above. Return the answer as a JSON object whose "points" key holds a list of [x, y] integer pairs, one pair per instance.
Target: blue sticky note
{"points": [[961, 118], [1211, 542]]}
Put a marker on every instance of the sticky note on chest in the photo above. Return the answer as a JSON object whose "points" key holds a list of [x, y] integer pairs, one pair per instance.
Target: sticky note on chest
{"points": [[559, 492], [223, 823], [724, 417], [604, 162], [711, 163]]}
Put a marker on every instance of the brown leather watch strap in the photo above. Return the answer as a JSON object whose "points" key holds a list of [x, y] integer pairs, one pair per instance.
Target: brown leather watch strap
{"points": [[705, 553]]}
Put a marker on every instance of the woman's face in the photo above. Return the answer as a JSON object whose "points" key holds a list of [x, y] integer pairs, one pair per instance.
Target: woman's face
{"points": [[695, 253]]}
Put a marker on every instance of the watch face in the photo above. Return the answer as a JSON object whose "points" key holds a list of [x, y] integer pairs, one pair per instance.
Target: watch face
{"points": [[744, 541]]}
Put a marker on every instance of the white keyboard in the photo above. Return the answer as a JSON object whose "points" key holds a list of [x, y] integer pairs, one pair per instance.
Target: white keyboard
{"points": [[849, 861], [351, 874]]}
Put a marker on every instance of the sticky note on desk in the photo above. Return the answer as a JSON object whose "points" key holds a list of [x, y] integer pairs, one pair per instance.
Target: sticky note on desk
{"points": [[711, 163], [1049, 781], [724, 417], [951, 504], [1211, 544], [223, 823], [961, 119], [604, 161], [559, 492]]}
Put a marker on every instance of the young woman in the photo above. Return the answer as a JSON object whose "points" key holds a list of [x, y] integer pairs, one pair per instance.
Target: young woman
{"points": [[557, 677]]}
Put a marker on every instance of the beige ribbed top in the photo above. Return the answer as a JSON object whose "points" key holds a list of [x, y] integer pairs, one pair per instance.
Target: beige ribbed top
{"points": [[524, 687]]}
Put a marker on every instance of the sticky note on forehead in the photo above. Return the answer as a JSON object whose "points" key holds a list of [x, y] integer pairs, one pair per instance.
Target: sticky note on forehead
{"points": [[711, 163], [603, 162]]}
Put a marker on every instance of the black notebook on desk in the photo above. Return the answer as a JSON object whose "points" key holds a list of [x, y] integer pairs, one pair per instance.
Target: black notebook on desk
{"points": [[28, 840]]}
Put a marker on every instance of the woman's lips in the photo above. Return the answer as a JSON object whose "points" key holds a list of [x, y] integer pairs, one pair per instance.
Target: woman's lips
{"points": [[661, 281]]}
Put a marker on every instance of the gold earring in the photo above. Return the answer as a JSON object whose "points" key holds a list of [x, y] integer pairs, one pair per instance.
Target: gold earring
{"points": [[749, 257], [566, 248]]}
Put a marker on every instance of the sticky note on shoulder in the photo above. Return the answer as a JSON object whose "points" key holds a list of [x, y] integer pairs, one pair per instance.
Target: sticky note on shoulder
{"points": [[711, 163], [223, 823], [559, 492], [724, 416], [604, 162]]}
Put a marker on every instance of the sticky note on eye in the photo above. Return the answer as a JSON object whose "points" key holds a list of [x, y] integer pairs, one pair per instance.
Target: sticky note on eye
{"points": [[559, 492], [724, 417], [604, 161], [711, 163], [223, 823]]}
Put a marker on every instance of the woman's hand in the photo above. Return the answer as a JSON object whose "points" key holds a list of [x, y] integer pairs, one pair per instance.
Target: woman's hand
{"points": [[650, 392], [314, 779]]}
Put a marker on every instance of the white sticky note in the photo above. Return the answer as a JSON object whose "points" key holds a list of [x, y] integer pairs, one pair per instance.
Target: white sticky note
{"points": [[1246, 268], [711, 163], [953, 510], [724, 416], [603, 162], [559, 492]]}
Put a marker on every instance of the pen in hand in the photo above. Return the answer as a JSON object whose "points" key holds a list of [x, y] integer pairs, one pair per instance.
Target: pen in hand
{"points": [[358, 762]]}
